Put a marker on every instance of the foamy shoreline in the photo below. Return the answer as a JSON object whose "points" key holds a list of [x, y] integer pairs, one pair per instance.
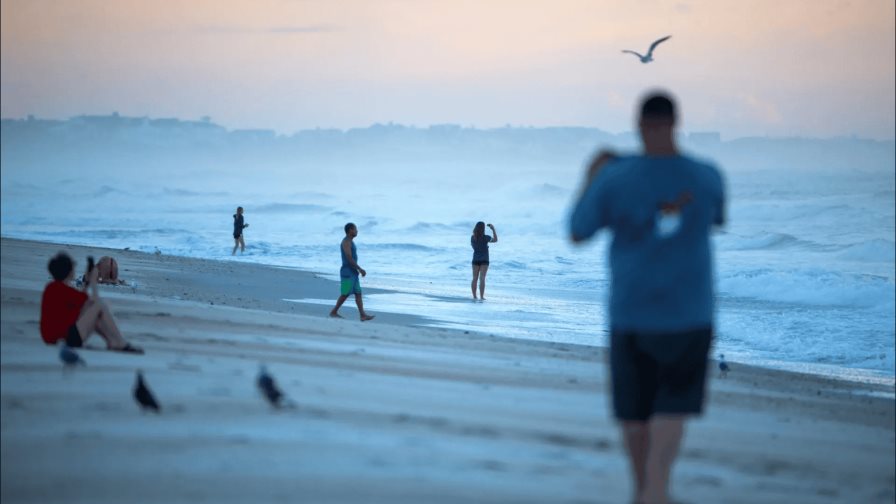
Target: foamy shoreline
{"points": [[318, 294], [388, 411]]}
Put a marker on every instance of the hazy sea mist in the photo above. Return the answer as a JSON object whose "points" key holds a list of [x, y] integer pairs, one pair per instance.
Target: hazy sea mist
{"points": [[805, 267]]}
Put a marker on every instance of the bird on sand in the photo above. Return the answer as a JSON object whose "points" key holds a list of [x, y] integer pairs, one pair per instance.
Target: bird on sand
{"points": [[723, 366], [143, 396], [647, 58], [268, 388], [69, 357]]}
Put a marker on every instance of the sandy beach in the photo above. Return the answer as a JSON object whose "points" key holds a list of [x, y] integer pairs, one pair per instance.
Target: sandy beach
{"points": [[385, 411]]}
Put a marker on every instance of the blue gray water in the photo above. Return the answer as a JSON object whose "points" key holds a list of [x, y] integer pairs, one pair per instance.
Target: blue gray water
{"points": [[805, 268]]}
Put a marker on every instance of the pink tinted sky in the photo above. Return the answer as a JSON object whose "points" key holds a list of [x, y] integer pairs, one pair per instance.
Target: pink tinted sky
{"points": [[748, 67]]}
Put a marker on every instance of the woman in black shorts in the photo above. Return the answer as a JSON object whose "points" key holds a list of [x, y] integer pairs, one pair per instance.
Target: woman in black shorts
{"points": [[479, 241]]}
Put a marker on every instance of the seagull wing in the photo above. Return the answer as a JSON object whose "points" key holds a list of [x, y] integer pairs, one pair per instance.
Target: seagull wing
{"points": [[658, 42], [632, 52]]}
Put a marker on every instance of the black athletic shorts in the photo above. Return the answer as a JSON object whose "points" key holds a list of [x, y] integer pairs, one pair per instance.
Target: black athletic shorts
{"points": [[479, 263], [73, 338], [658, 373]]}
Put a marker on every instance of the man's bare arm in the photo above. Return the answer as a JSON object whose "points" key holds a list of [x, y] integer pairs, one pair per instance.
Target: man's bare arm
{"points": [[347, 250]]}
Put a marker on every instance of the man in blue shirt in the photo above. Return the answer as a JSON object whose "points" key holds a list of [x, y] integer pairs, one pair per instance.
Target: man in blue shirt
{"points": [[661, 207]]}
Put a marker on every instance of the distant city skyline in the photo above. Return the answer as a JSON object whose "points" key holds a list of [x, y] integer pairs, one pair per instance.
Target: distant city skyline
{"points": [[209, 122], [758, 68]]}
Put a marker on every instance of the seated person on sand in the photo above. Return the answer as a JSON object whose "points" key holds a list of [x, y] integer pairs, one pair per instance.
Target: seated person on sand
{"points": [[107, 271], [70, 315]]}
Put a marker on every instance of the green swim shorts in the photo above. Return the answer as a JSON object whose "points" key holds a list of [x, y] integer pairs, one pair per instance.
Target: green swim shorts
{"points": [[350, 285]]}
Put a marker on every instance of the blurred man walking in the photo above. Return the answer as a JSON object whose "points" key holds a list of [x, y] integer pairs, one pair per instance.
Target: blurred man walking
{"points": [[660, 206]]}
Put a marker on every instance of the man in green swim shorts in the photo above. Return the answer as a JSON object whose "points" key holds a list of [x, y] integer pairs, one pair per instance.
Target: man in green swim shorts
{"points": [[351, 283]]}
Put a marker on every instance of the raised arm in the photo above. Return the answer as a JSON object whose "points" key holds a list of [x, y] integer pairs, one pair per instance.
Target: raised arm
{"points": [[92, 282], [588, 212], [494, 233]]}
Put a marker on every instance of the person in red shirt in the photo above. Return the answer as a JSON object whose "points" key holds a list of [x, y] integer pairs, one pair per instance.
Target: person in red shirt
{"points": [[71, 315]]}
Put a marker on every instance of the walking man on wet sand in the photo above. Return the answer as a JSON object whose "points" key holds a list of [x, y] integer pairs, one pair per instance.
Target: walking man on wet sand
{"points": [[661, 207], [349, 272]]}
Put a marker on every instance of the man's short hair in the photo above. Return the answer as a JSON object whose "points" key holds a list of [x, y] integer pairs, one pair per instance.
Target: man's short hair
{"points": [[658, 105], [60, 266], [348, 226]]}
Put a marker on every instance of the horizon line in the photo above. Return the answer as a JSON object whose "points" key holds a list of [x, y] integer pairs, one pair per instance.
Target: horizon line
{"points": [[208, 120]]}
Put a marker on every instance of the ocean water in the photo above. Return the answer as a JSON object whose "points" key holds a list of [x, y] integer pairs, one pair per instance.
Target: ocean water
{"points": [[805, 267]]}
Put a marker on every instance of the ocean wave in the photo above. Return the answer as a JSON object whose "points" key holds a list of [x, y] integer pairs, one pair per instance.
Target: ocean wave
{"points": [[876, 250], [18, 187], [549, 190], [783, 211], [431, 226], [291, 207], [810, 286], [116, 234], [305, 195], [168, 191], [104, 190], [402, 246], [770, 241], [563, 260]]}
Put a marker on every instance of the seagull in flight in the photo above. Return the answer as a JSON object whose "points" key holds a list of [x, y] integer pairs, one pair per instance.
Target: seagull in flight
{"points": [[647, 58]]}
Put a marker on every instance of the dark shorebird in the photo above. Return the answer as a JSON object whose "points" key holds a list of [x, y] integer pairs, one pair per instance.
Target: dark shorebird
{"points": [[143, 396], [723, 366], [268, 388], [69, 357], [647, 58]]}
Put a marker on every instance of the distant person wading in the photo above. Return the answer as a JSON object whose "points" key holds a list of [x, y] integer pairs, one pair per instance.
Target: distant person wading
{"points": [[238, 227], [479, 241]]}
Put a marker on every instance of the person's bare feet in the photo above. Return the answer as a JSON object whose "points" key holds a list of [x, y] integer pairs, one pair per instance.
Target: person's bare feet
{"points": [[129, 348], [335, 315], [366, 317]]}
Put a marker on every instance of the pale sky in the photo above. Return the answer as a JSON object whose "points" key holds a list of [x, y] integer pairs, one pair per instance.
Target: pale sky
{"points": [[740, 67]]}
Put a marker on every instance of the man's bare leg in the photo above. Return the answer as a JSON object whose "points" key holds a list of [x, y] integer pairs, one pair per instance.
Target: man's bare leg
{"points": [[236, 243], [665, 433], [636, 439], [335, 311], [360, 303]]}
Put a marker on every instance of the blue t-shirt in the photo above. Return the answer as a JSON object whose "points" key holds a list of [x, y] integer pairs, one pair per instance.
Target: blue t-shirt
{"points": [[480, 247], [347, 271], [661, 210]]}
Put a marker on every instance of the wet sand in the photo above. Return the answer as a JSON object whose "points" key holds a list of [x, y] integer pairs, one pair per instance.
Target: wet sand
{"points": [[385, 411]]}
